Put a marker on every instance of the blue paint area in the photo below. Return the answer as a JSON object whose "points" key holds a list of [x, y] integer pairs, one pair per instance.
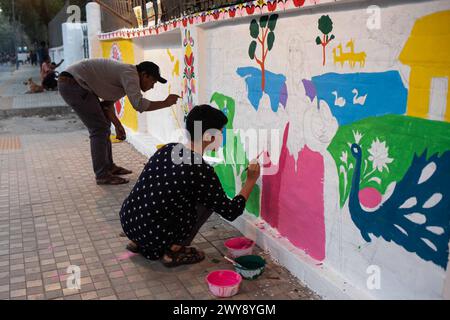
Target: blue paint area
{"points": [[275, 87], [384, 221], [385, 91]]}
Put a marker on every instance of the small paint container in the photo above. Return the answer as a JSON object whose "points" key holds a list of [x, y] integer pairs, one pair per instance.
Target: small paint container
{"points": [[223, 283], [253, 266], [238, 247]]}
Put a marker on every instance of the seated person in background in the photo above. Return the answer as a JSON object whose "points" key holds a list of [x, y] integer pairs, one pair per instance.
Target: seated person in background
{"points": [[177, 192], [48, 73]]}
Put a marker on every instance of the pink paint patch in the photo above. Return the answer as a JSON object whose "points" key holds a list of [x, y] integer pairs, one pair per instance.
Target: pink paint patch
{"points": [[370, 197], [126, 255], [239, 243], [292, 200]]}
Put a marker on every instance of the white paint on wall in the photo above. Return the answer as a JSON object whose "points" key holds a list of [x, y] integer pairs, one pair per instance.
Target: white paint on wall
{"points": [[165, 50], [438, 98]]}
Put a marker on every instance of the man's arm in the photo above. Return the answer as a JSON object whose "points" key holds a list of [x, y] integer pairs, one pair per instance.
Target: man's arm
{"points": [[60, 63], [108, 110], [130, 82], [156, 105]]}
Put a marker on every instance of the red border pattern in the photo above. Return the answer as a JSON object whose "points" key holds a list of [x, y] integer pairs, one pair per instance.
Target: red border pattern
{"points": [[232, 12]]}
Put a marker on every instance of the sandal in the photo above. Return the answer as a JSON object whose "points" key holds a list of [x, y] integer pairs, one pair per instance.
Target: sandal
{"points": [[111, 180], [133, 247], [186, 255], [119, 171]]}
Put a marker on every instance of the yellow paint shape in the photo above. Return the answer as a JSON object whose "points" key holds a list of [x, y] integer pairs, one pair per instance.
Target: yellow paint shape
{"points": [[427, 53], [129, 118], [351, 56], [176, 67]]}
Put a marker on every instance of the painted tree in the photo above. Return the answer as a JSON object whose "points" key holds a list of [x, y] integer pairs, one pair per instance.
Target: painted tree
{"points": [[262, 32], [325, 26]]}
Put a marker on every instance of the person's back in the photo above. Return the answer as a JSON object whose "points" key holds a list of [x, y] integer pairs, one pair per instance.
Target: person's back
{"points": [[102, 76], [111, 80]]}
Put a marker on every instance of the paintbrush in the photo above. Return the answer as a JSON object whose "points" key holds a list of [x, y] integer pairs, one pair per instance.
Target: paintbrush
{"points": [[234, 263], [259, 155]]}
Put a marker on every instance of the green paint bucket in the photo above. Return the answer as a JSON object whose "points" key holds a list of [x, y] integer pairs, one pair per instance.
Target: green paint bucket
{"points": [[253, 266]]}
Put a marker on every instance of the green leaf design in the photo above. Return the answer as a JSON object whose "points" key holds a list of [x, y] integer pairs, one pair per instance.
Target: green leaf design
{"points": [[254, 29], [263, 21], [252, 49], [273, 22], [270, 40], [325, 24], [318, 40], [332, 37]]}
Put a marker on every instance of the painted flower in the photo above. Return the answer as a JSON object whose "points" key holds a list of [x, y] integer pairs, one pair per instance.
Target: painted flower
{"points": [[379, 155], [189, 59], [344, 157], [357, 135]]}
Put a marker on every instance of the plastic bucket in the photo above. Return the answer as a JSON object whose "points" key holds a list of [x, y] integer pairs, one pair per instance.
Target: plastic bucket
{"points": [[239, 246], [223, 283], [253, 266]]}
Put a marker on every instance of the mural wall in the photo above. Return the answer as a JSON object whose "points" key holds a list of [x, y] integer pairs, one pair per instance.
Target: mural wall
{"points": [[353, 127], [360, 171]]}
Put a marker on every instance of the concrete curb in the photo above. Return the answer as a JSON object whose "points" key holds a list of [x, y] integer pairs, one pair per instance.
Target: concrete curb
{"points": [[33, 112]]}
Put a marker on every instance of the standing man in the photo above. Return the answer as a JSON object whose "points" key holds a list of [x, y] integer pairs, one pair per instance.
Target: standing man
{"points": [[42, 53], [84, 83]]}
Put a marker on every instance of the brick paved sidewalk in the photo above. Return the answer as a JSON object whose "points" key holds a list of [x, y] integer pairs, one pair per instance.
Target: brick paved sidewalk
{"points": [[53, 215]]}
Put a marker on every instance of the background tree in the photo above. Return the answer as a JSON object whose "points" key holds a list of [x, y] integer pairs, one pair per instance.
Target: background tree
{"points": [[6, 39], [263, 33], [325, 26], [35, 15]]}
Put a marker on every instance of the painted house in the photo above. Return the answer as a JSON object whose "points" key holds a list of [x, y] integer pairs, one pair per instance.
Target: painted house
{"points": [[343, 103], [427, 53]]}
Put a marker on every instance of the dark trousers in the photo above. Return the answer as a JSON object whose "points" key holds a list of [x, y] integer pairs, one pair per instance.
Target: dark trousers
{"points": [[203, 215], [87, 106], [50, 82]]}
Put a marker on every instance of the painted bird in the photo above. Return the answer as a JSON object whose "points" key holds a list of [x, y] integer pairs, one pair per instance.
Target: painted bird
{"points": [[416, 216]]}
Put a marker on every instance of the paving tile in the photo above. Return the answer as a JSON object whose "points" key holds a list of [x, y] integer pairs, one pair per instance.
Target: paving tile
{"points": [[18, 293], [89, 295]]}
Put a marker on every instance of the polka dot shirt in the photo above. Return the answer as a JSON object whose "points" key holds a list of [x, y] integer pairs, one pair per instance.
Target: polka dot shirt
{"points": [[160, 210]]}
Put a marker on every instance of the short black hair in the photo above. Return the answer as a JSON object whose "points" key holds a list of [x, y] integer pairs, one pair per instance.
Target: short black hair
{"points": [[211, 118]]}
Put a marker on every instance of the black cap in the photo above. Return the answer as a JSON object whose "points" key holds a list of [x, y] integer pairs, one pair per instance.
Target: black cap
{"points": [[152, 69]]}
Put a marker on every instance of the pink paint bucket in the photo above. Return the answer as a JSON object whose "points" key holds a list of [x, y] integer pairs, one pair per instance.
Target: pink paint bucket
{"points": [[224, 283], [238, 247]]}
